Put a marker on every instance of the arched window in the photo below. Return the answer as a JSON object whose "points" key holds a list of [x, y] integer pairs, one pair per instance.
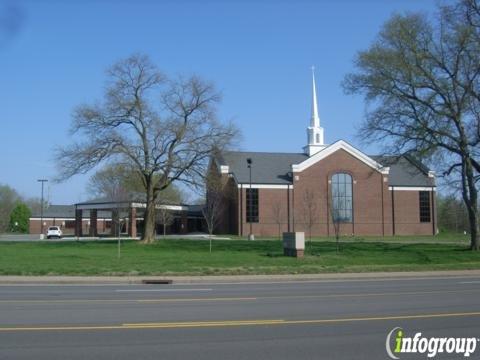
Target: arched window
{"points": [[342, 198], [318, 138]]}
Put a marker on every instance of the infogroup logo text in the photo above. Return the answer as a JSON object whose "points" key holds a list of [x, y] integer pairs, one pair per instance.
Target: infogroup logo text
{"points": [[430, 346]]}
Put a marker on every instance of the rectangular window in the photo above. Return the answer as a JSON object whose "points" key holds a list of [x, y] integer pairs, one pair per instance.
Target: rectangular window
{"points": [[342, 198], [424, 201], [252, 205]]}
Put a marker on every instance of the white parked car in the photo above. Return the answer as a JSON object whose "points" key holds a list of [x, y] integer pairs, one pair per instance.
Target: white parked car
{"points": [[54, 232]]}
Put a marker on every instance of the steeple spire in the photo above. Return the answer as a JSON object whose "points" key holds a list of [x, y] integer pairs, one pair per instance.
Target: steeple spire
{"points": [[315, 119], [314, 131]]}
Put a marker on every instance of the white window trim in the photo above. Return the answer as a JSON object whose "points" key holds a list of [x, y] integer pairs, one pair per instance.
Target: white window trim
{"points": [[340, 144]]}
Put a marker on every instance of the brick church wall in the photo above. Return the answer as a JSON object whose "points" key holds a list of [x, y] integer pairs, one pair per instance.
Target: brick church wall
{"points": [[407, 215], [368, 185], [372, 203]]}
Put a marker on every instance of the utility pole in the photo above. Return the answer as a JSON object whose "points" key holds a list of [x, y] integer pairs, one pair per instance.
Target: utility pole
{"points": [[250, 236], [43, 181]]}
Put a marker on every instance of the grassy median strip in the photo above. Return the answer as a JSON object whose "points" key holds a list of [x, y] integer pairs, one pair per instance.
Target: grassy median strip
{"points": [[229, 257]]}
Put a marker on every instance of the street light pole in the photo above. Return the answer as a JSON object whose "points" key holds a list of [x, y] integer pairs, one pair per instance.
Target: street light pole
{"points": [[250, 236], [43, 181]]}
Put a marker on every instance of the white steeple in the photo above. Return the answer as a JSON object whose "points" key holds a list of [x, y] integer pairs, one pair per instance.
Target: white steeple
{"points": [[314, 131], [315, 119]]}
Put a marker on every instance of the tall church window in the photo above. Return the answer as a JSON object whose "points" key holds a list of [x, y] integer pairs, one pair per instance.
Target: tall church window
{"points": [[342, 197], [318, 138], [252, 205], [424, 202]]}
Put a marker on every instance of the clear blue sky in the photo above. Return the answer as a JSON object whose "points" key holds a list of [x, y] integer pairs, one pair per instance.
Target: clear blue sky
{"points": [[258, 53]]}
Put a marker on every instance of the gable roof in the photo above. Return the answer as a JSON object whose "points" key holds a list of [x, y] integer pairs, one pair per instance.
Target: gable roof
{"points": [[340, 145], [276, 168]]}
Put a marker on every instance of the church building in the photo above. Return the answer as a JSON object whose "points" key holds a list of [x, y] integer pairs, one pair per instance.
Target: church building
{"points": [[324, 189]]}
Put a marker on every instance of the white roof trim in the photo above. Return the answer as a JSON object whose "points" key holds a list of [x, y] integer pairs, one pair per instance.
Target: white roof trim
{"points": [[166, 207], [265, 186], [431, 174], [412, 188], [172, 207], [65, 219], [340, 144]]}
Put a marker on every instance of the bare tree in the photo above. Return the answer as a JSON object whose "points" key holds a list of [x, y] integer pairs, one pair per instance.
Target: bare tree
{"points": [[337, 217], [110, 182], [421, 81], [215, 203], [310, 211], [452, 214], [278, 216], [170, 196], [166, 218], [164, 129]]}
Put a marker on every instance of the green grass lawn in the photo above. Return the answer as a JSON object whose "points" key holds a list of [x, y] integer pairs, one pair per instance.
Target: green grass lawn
{"points": [[191, 257], [453, 238]]}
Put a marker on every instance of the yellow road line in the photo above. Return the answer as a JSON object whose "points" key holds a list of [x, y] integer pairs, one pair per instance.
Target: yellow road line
{"points": [[231, 323], [395, 317], [205, 323]]}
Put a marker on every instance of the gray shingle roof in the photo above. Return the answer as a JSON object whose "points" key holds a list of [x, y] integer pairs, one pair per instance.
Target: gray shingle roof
{"points": [[275, 168], [405, 171], [267, 168], [67, 211]]}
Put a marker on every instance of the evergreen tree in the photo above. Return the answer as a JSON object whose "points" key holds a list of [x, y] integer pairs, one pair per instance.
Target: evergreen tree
{"points": [[19, 218]]}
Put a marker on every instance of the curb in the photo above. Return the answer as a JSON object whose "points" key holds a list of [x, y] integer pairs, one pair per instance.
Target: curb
{"points": [[127, 280]]}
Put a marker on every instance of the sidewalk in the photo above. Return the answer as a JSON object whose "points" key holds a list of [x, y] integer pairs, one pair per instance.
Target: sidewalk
{"points": [[85, 280]]}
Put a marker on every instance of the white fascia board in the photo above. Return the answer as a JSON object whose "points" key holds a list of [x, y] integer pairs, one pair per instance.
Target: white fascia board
{"points": [[51, 219], [172, 207], [139, 205], [65, 219], [340, 145], [167, 207], [412, 188], [265, 186]]}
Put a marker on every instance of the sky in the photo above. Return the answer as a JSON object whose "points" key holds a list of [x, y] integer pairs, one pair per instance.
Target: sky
{"points": [[54, 54]]}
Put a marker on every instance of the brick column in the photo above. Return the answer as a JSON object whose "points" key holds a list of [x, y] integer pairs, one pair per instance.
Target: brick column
{"points": [[78, 222], [93, 223], [114, 229], [132, 223], [183, 223]]}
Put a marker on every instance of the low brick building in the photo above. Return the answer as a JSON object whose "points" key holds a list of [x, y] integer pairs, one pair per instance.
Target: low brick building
{"points": [[64, 216], [111, 218], [323, 189]]}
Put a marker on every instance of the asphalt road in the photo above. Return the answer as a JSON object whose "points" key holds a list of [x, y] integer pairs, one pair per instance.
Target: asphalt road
{"points": [[341, 319]]}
